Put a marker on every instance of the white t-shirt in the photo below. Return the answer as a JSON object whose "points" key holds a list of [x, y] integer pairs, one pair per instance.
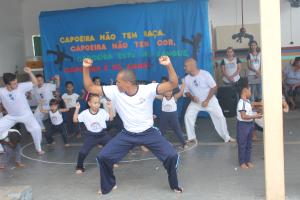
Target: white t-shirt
{"points": [[244, 106], [94, 122], [70, 100], [135, 111], [231, 67], [15, 102], [44, 93], [168, 105], [255, 62], [199, 85], [56, 117]]}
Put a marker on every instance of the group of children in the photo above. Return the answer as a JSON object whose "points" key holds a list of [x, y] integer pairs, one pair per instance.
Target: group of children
{"points": [[95, 118], [52, 105]]}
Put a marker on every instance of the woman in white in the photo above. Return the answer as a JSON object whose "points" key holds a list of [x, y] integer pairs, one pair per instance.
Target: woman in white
{"points": [[231, 67], [254, 71]]}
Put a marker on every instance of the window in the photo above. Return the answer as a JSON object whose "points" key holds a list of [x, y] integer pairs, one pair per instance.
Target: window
{"points": [[37, 45]]}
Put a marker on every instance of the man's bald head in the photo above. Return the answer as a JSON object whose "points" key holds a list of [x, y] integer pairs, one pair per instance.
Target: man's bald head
{"points": [[190, 65], [128, 75], [126, 79]]}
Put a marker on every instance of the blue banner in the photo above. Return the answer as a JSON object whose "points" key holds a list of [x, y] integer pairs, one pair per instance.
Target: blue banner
{"points": [[125, 36]]}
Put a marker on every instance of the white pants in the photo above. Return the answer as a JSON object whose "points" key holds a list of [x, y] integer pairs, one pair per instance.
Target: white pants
{"points": [[1, 149], [215, 113], [30, 123], [39, 116]]}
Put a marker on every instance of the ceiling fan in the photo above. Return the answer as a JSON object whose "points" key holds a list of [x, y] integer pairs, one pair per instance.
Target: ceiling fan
{"points": [[238, 37]]}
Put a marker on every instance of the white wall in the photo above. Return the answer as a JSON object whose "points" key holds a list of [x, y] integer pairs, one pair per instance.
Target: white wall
{"points": [[228, 12], [11, 36], [222, 12], [286, 25]]}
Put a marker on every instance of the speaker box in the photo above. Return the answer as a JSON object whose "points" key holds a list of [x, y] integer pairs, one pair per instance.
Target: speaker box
{"points": [[228, 99]]}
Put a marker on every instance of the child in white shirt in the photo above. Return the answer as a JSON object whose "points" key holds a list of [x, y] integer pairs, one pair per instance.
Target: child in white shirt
{"points": [[245, 125], [70, 98], [56, 119], [94, 119]]}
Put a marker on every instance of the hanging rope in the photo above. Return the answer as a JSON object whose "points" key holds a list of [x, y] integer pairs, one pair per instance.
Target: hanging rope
{"points": [[236, 12], [291, 25], [242, 5]]}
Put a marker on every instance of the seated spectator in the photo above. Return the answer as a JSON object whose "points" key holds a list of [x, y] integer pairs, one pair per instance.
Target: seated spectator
{"points": [[292, 81]]}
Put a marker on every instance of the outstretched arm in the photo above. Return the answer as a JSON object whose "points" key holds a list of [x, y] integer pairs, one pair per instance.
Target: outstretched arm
{"points": [[87, 81], [56, 78], [173, 80], [75, 116], [180, 93], [28, 71], [42, 108], [110, 110], [244, 116]]}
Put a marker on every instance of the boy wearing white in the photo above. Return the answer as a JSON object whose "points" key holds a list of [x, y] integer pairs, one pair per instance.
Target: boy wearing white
{"points": [[70, 98], [244, 127], [43, 92]]}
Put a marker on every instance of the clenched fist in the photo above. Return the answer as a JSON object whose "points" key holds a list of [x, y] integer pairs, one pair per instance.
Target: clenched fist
{"points": [[27, 70], [87, 62], [164, 60]]}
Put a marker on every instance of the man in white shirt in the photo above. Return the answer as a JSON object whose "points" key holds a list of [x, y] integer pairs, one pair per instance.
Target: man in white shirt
{"points": [[201, 88], [134, 104], [44, 92], [13, 99]]}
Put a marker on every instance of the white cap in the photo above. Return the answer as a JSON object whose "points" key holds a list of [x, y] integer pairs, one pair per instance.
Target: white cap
{"points": [[5, 134]]}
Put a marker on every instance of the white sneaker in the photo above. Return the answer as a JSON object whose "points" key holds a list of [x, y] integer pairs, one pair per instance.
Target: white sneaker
{"points": [[195, 141], [232, 140]]}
